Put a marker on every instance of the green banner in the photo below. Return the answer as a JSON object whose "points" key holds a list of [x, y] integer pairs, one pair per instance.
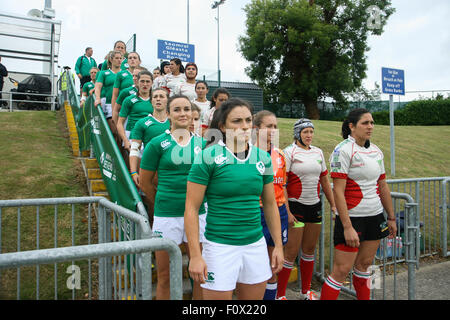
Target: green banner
{"points": [[116, 177], [93, 129], [84, 124]]}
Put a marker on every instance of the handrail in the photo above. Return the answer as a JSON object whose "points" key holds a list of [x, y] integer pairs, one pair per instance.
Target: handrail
{"points": [[55, 255]]}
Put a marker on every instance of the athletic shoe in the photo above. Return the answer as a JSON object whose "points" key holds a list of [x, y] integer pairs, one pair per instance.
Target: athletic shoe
{"points": [[281, 298], [310, 295]]}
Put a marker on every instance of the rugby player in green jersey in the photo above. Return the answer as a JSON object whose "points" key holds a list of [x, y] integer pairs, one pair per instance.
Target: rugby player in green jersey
{"points": [[125, 93], [171, 155], [105, 84], [135, 108], [233, 175], [124, 78], [147, 128], [122, 47], [88, 87]]}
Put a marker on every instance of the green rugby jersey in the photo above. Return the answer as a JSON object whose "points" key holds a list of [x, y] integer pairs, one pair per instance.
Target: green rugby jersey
{"points": [[123, 66], [88, 86], [172, 162], [135, 108], [233, 191], [125, 93], [149, 127], [107, 77], [124, 80]]}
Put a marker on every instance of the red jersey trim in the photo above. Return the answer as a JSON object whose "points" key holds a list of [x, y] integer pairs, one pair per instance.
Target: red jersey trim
{"points": [[338, 175]]}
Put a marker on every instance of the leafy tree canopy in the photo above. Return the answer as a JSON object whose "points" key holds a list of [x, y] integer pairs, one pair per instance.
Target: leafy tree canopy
{"points": [[307, 50]]}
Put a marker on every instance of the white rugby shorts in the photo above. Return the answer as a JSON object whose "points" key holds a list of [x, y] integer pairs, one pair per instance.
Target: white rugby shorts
{"points": [[173, 228], [231, 264]]}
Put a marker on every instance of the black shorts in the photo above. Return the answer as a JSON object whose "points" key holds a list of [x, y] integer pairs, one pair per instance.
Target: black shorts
{"points": [[367, 228], [306, 213]]}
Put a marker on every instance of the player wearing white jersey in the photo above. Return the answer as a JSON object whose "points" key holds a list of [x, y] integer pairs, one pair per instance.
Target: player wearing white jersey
{"points": [[188, 88], [306, 172], [361, 192], [201, 90], [176, 76]]}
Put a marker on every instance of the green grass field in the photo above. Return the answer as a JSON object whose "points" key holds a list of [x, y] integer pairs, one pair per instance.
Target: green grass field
{"points": [[36, 162]]}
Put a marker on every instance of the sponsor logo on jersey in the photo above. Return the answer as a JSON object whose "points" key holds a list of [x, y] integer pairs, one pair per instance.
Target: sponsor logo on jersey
{"points": [[165, 144], [219, 160], [210, 277], [261, 167], [148, 122], [134, 100], [335, 164]]}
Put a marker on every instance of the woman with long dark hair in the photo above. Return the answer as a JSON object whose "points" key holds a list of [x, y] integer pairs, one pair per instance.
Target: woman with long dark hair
{"points": [[171, 155], [233, 175], [361, 193]]}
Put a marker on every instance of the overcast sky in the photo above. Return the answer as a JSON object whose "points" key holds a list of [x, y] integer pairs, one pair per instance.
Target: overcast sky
{"points": [[416, 38]]}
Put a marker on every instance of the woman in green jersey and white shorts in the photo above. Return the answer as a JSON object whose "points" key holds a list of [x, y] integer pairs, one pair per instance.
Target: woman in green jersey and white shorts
{"points": [[171, 155], [105, 83], [135, 107], [233, 175]]}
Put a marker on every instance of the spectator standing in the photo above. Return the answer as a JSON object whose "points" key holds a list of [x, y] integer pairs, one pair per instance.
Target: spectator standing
{"points": [[84, 65]]}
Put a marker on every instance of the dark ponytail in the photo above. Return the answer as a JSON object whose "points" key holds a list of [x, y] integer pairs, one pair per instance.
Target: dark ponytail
{"points": [[353, 118], [346, 129]]}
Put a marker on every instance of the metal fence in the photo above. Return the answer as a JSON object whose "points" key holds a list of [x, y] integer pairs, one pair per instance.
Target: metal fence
{"points": [[420, 206], [29, 101], [26, 241]]}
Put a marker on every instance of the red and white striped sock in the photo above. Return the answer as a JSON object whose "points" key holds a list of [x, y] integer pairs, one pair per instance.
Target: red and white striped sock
{"points": [[330, 289], [283, 278], [306, 271], [361, 283]]}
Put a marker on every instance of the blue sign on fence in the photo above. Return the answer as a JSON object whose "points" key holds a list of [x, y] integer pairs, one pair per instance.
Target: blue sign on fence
{"points": [[169, 50], [393, 81]]}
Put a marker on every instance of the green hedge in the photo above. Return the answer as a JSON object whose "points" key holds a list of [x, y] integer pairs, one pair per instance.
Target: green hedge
{"points": [[418, 113]]}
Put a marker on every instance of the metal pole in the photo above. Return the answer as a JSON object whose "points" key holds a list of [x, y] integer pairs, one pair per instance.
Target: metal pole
{"points": [[187, 21], [218, 49], [391, 122], [52, 66]]}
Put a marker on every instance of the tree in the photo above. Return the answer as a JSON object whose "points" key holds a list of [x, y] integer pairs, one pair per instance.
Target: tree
{"points": [[307, 50]]}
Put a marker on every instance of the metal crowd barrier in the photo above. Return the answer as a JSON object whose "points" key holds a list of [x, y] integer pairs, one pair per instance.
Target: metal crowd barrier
{"points": [[445, 197], [432, 195], [128, 275], [420, 205]]}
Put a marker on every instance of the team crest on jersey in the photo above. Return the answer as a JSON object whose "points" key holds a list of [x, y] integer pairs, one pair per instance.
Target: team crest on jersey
{"points": [[219, 160], [197, 150], [210, 278], [261, 167], [165, 144]]}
